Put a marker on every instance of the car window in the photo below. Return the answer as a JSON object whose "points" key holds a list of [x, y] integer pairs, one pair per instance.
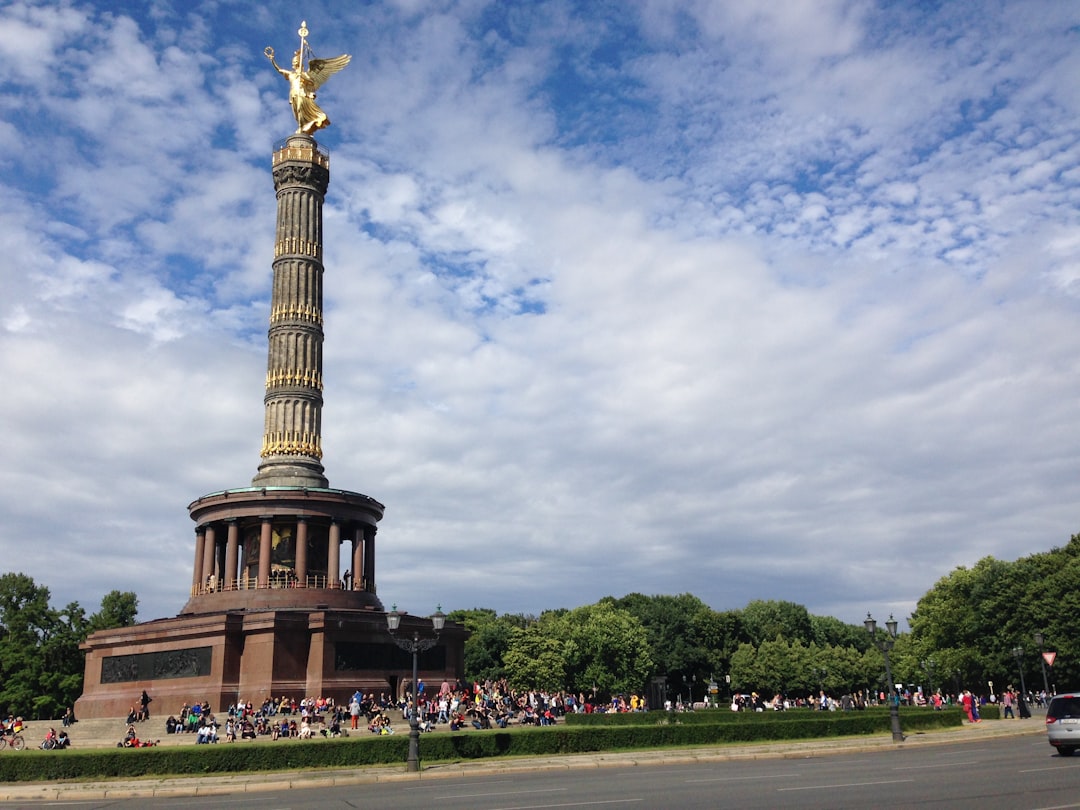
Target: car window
{"points": [[1064, 707]]}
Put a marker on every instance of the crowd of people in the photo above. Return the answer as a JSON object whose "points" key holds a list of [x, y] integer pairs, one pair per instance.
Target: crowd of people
{"points": [[479, 705], [287, 718], [1009, 700]]}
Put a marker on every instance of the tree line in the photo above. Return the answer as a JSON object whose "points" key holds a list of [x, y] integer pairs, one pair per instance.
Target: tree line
{"points": [[41, 665], [975, 627], [967, 631]]}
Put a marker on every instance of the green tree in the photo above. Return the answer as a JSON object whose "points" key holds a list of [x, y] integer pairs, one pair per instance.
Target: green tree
{"points": [[534, 660], [118, 609], [765, 620], [28, 645], [489, 638], [972, 619], [829, 631], [41, 665], [746, 674], [606, 649], [682, 633]]}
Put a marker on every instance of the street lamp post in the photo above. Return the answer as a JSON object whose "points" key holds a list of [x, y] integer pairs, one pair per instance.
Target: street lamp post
{"points": [[885, 643], [1018, 654], [1039, 639], [414, 645]]}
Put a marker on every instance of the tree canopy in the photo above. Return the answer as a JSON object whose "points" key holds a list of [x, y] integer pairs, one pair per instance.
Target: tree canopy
{"points": [[41, 665], [969, 623]]}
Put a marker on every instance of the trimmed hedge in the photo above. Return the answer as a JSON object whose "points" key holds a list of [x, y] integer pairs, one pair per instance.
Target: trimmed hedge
{"points": [[354, 752]]}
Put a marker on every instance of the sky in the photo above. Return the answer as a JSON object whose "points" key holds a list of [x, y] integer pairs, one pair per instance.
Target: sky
{"points": [[743, 300]]}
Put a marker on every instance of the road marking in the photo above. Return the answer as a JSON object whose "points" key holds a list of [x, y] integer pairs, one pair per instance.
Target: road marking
{"points": [[743, 778], [498, 793], [942, 765], [1049, 768], [567, 804], [846, 784], [484, 782]]}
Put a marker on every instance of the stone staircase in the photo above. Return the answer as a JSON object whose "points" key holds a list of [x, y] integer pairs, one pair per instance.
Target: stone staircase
{"points": [[104, 732]]}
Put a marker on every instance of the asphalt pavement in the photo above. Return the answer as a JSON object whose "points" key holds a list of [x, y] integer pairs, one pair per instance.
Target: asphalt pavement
{"points": [[251, 782]]}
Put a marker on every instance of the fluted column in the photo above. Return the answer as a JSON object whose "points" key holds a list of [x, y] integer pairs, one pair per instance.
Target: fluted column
{"points": [[292, 435]]}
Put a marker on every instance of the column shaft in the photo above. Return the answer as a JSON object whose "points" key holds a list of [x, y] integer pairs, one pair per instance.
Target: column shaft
{"points": [[333, 566], [265, 539], [358, 558], [301, 553], [209, 551], [197, 573], [369, 559], [232, 556]]}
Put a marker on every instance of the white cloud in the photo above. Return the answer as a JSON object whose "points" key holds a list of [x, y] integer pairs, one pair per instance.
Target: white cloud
{"points": [[745, 303]]}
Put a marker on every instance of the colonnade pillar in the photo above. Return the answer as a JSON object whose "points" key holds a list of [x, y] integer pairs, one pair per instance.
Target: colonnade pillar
{"points": [[333, 564], [301, 552], [209, 556], [232, 556], [197, 574], [357, 559], [265, 538], [369, 558]]}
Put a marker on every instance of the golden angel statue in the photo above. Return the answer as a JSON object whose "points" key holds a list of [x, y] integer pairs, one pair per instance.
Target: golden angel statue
{"points": [[303, 82]]}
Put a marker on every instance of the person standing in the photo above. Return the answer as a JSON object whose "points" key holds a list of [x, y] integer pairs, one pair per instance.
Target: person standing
{"points": [[144, 706], [354, 711]]}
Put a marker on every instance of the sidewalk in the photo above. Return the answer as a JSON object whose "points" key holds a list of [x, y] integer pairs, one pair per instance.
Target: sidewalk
{"points": [[262, 781]]}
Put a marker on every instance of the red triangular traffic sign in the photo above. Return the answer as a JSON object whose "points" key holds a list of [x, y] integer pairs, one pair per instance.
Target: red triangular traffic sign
{"points": [[1049, 657]]}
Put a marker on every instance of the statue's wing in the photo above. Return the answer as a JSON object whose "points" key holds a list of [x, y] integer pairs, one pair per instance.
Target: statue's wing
{"points": [[319, 70]]}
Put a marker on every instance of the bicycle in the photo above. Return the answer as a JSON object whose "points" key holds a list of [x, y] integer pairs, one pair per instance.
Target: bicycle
{"points": [[13, 740]]}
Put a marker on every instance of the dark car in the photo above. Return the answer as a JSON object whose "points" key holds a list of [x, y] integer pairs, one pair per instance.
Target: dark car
{"points": [[1063, 723]]}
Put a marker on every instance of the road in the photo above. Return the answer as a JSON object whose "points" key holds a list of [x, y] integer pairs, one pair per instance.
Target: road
{"points": [[1010, 773]]}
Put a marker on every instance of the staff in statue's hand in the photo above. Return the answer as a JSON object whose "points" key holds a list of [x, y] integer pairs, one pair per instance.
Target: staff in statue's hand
{"points": [[303, 84]]}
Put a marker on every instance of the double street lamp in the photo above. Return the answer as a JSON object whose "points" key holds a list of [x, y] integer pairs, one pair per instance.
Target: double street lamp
{"points": [[1018, 654], [885, 643], [1039, 639], [414, 645]]}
